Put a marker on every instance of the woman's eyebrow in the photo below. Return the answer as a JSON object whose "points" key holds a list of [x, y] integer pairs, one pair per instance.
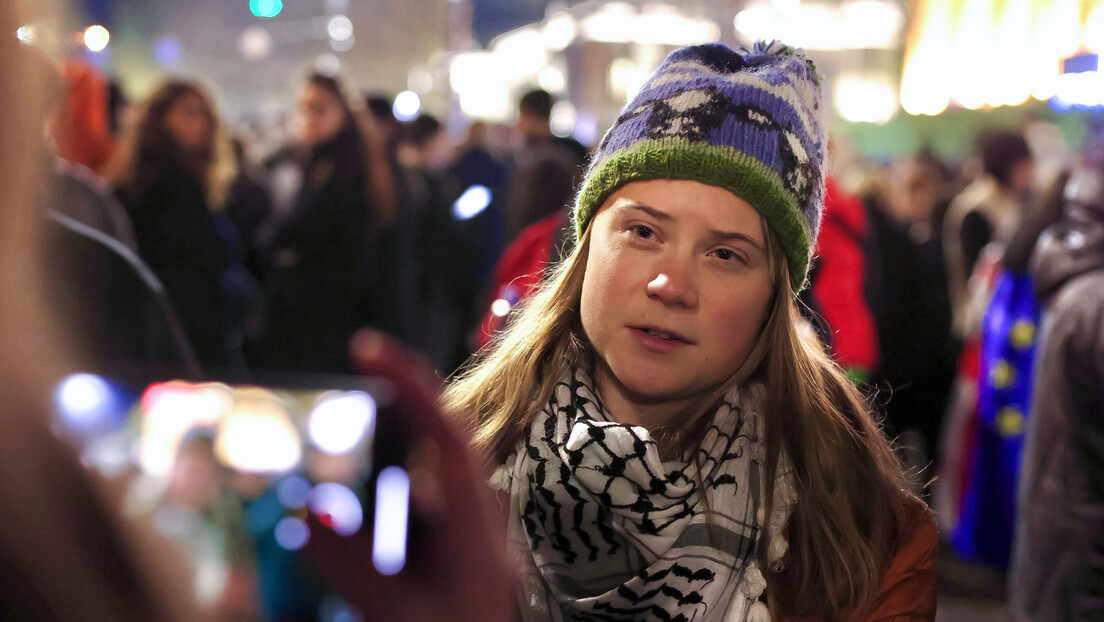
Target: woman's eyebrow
{"points": [[737, 237], [651, 211]]}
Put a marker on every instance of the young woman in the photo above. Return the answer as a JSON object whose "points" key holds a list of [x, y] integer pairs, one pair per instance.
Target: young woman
{"points": [[673, 440], [168, 175], [317, 258]]}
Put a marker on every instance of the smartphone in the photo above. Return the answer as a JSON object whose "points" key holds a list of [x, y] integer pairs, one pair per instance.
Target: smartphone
{"points": [[231, 470]]}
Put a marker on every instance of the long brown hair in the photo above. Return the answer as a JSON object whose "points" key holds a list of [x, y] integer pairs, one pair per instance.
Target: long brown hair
{"points": [[148, 146], [845, 472]]}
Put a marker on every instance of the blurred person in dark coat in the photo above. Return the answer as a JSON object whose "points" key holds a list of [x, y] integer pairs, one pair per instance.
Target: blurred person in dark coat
{"points": [[907, 291], [475, 165], [316, 274], [113, 307], [542, 154], [1058, 560], [168, 176], [248, 206], [989, 210]]}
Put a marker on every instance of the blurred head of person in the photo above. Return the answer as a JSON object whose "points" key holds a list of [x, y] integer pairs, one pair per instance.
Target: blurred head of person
{"points": [[196, 474], [323, 110], [476, 136], [81, 126], [380, 108], [534, 112], [327, 127], [1007, 158], [177, 125], [917, 184], [421, 143], [382, 131]]}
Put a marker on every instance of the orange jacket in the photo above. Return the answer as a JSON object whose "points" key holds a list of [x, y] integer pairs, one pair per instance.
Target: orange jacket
{"points": [[908, 587], [80, 127]]}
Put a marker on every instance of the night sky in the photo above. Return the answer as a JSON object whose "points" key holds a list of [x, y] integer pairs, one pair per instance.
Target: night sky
{"points": [[494, 17], [100, 11]]}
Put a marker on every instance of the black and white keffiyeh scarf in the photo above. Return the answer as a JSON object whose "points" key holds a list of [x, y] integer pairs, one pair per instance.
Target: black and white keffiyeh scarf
{"points": [[607, 531]]}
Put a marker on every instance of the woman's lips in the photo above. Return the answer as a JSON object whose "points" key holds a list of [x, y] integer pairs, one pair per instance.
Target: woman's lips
{"points": [[648, 340]]}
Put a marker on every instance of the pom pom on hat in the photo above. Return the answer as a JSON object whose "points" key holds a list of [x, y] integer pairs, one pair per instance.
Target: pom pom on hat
{"points": [[747, 121]]}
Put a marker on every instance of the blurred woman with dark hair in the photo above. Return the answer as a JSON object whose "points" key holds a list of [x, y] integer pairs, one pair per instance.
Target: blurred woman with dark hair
{"points": [[315, 282], [169, 175]]}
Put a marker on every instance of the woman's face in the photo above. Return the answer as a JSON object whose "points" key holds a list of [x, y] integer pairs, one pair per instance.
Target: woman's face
{"points": [[677, 287], [320, 115], [188, 121]]}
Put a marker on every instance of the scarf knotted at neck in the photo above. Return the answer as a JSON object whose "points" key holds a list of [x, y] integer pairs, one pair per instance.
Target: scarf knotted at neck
{"points": [[608, 531]]}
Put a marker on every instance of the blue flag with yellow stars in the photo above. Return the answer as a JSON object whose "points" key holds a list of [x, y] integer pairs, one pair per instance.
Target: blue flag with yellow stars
{"points": [[987, 518]]}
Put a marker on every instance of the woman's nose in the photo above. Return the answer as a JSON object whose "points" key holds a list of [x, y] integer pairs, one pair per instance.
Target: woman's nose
{"points": [[675, 288]]}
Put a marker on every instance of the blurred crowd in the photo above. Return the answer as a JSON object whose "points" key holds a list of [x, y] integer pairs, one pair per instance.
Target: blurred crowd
{"points": [[178, 240], [273, 243]]}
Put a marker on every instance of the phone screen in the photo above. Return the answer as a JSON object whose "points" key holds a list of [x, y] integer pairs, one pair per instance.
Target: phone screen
{"points": [[229, 472]]}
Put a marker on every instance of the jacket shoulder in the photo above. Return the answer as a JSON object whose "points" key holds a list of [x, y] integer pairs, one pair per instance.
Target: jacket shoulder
{"points": [[909, 584]]}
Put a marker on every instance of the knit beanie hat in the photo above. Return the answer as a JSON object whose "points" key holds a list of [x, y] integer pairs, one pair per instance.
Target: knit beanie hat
{"points": [[748, 121]]}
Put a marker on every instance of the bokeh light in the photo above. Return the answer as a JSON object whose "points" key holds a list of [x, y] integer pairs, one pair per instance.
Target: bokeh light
{"points": [[169, 411], [84, 403], [559, 31], [337, 507], [266, 8], [26, 34], [294, 492], [500, 307], [291, 533], [340, 28], [96, 38], [407, 106], [472, 202], [861, 99], [392, 514], [255, 43], [339, 422], [551, 79], [167, 50], [519, 54], [420, 81], [562, 119], [335, 609], [625, 77], [343, 45], [328, 64], [257, 435]]}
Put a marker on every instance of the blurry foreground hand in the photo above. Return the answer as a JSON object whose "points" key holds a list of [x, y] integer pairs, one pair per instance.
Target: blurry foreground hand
{"points": [[457, 569]]}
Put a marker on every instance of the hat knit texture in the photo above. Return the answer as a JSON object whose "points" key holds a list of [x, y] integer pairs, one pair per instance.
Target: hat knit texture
{"points": [[746, 121]]}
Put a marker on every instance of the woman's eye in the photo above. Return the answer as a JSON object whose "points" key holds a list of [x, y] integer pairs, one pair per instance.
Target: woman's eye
{"points": [[725, 254], [643, 232]]}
